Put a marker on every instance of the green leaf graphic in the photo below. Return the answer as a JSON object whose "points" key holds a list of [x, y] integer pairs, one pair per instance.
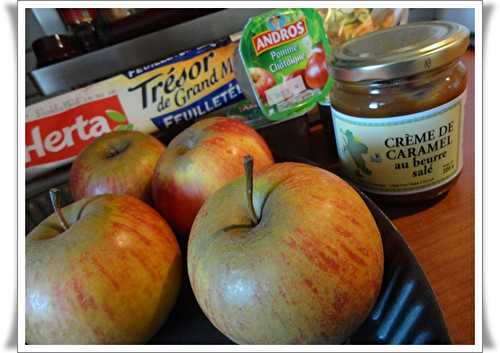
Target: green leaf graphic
{"points": [[124, 127], [115, 116]]}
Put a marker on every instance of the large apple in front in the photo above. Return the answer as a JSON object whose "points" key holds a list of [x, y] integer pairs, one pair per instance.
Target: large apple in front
{"points": [[306, 271], [200, 160], [111, 277], [121, 162]]}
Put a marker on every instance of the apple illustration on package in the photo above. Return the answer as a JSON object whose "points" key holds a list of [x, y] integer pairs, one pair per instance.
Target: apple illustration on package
{"points": [[296, 73], [291, 255], [316, 71], [262, 80]]}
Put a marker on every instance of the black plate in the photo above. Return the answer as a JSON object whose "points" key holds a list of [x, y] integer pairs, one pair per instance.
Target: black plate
{"points": [[406, 311]]}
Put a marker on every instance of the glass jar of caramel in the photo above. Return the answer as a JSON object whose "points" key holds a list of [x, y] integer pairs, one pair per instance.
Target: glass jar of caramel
{"points": [[398, 110]]}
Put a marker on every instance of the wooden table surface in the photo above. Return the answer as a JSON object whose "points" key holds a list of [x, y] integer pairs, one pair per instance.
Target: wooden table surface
{"points": [[442, 236], [441, 233]]}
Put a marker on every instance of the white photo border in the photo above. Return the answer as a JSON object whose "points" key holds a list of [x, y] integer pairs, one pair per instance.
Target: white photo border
{"points": [[478, 278]]}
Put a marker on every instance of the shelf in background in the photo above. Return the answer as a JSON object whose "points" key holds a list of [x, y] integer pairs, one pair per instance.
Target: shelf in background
{"points": [[109, 61]]}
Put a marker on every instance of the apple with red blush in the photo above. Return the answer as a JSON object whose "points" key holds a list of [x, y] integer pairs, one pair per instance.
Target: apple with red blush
{"points": [[103, 270], [290, 255], [121, 162], [199, 161]]}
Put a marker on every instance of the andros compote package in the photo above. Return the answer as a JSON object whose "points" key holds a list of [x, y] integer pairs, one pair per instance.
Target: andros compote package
{"points": [[285, 54]]}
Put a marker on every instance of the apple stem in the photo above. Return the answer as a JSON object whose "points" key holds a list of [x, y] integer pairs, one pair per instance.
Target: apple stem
{"points": [[55, 199], [248, 163]]}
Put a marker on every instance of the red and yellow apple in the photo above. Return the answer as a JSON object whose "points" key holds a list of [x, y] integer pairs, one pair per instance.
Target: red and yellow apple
{"points": [[121, 162], [306, 269], [111, 275], [262, 81], [199, 161]]}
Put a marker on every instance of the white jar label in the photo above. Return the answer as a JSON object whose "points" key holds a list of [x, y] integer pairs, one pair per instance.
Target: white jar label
{"points": [[404, 154]]}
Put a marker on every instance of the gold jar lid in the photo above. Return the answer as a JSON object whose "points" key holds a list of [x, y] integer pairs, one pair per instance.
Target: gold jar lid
{"points": [[400, 51]]}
